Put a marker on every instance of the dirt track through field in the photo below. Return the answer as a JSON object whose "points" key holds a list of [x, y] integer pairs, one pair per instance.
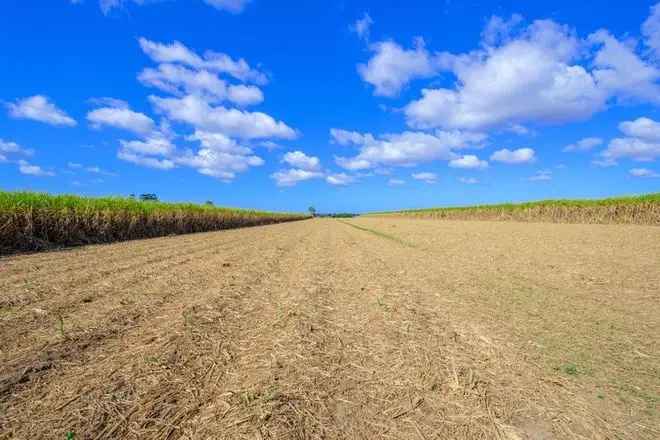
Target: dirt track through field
{"points": [[326, 329]]}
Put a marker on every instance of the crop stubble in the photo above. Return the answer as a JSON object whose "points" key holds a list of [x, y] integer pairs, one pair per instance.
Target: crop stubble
{"points": [[316, 329]]}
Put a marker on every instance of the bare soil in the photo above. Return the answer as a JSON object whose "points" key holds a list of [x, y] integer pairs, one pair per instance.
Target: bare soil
{"points": [[327, 329]]}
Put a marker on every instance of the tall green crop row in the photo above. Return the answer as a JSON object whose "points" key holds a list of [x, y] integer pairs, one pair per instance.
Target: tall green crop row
{"points": [[34, 221], [643, 210]]}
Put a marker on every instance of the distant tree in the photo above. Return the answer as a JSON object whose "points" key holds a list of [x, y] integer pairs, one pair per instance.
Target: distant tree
{"points": [[131, 196], [209, 202], [149, 197], [312, 211]]}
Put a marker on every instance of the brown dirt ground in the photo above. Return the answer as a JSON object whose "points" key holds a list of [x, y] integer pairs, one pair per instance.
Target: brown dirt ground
{"points": [[326, 329]]}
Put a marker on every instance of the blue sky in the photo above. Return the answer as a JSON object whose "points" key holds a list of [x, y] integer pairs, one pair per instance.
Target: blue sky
{"points": [[348, 106]]}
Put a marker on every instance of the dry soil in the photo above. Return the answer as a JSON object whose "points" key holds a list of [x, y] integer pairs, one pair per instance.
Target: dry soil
{"points": [[325, 329]]}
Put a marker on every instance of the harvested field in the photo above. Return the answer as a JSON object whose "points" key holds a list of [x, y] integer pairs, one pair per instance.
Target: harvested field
{"points": [[329, 329]]}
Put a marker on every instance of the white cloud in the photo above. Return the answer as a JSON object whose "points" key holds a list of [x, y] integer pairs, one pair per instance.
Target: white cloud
{"points": [[339, 179], [245, 95], [123, 118], [426, 177], [39, 108], [180, 80], [150, 162], [220, 164], [529, 78], [540, 176], [620, 72], [362, 27], [519, 156], [461, 139], [642, 143], [221, 132], [651, 30], [33, 170], [345, 137], [499, 30], [220, 156], [292, 176], [93, 169], [232, 6], [642, 128], [396, 182], [177, 52], [219, 142], [632, 148], [269, 145], [540, 73], [469, 161], [10, 148], [392, 67], [232, 122], [156, 146], [298, 159], [585, 144], [402, 149], [643, 172], [468, 180]]}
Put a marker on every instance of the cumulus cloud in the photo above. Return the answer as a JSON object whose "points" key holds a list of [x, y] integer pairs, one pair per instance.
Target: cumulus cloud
{"points": [[242, 124], [620, 72], [156, 146], [293, 176], [298, 159], [651, 30], [29, 169], [396, 182], [541, 72], [121, 117], [339, 179], [245, 95], [203, 90], [180, 80], [469, 161], [426, 177], [232, 6], [641, 144], [362, 26], [92, 169], [527, 78], [643, 172], [8, 149], [400, 149], [177, 52], [519, 156], [392, 67], [345, 137], [40, 108], [642, 128], [585, 144], [149, 162]]}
